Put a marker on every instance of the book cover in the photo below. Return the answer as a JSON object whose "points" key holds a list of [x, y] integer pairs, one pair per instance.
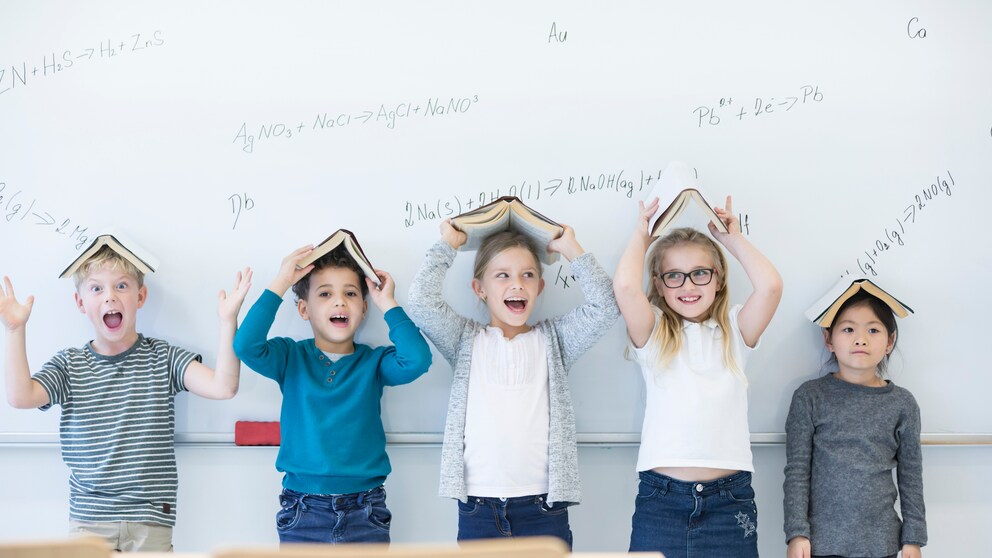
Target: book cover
{"points": [[508, 213], [350, 242], [119, 243], [676, 189], [824, 310]]}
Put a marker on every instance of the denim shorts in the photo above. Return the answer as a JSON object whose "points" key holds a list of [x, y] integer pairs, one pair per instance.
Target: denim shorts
{"points": [[522, 516], [342, 518], [713, 519]]}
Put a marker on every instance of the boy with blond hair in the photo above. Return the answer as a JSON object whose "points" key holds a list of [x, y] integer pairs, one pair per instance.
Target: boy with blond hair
{"points": [[117, 396]]}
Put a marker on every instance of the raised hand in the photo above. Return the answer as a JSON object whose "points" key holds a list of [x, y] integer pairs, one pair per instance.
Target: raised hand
{"points": [[566, 244], [229, 306], [13, 314], [288, 273], [454, 237], [383, 296]]}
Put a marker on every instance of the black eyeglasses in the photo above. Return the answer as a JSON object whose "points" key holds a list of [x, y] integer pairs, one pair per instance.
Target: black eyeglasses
{"points": [[675, 279]]}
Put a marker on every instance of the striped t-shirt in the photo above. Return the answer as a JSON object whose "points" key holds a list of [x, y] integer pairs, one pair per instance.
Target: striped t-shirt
{"points": [[117, 426]]}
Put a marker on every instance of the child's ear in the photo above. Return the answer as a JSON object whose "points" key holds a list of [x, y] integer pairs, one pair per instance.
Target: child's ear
{"points": [[79, 302], [540, 286], [891, 344], [142, 296], [477, 289], [826, 340], [365, 307], [301, 307]]}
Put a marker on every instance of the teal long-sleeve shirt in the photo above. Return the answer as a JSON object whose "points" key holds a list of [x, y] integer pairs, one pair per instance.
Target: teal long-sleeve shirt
{"points": [[333, 441]]}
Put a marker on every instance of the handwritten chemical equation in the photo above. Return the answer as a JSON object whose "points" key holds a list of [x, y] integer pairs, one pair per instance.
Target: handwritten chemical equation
{"points": [[19, 207], [614, 182], [726, 108], [893, 234], [20, 75], [383, 115]]}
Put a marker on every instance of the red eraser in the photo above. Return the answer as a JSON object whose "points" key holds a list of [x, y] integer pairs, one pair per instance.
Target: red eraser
{"points": [[253, 433]]}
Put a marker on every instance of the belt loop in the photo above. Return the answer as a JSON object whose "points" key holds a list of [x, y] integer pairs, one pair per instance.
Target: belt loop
{"points": [[665, 481]]}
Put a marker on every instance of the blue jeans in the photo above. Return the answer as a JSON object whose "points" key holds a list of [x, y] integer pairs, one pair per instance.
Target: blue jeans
{"points": [[714, 519], [345, 518], [523, 516]]}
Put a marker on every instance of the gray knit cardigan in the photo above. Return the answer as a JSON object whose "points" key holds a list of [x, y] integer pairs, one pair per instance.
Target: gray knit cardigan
{"points": [[568, 337]]}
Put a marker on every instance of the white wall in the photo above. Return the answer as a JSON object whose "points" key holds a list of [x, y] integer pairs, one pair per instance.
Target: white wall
{"points": [[227, 496]]}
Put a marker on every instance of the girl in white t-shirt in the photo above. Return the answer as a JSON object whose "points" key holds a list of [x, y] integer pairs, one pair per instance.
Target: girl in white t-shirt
{"points": [[509, 454], [695, 496]]}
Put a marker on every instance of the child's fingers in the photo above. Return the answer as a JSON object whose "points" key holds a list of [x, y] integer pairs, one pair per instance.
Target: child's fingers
{"points": [[8, 287]]}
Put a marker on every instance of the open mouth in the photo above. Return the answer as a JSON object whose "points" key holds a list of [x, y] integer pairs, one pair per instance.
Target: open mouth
{"points": [[516, 304], [339, 320], [113, 319]]}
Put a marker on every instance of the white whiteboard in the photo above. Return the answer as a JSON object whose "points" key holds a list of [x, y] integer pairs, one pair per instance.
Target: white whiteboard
{"points": [[158, 118]]}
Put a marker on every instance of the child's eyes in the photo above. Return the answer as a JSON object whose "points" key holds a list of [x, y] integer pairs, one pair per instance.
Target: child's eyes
{"points": [[874, 330], [501, 275], [529, 274], [352, 293], [848, 330], [121, 285], [95, 289]]}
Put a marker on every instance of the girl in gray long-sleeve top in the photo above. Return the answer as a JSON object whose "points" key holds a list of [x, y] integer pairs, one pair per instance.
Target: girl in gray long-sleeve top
{"points": [[509, 454], [845, 433]]}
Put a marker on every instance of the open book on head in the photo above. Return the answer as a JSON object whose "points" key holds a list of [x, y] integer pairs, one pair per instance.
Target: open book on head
{"points": [[508, 213], [825, 310], [345, 238], [676, 188], [120, 243]]}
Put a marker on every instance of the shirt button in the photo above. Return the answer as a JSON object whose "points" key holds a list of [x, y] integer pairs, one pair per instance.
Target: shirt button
{"points": [[699, 488], [333, 372], [330, 380], [321, 357]]}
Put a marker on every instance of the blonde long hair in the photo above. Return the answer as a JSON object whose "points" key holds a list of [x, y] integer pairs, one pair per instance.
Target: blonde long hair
{"points": [[668, 336]]}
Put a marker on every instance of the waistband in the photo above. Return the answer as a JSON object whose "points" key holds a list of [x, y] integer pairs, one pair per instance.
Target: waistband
{"points": [[336, 502], [535, 499], [668, 484]]}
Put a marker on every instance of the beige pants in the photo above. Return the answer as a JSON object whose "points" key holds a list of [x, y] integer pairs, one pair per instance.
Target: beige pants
{"points": [[127, 536]]}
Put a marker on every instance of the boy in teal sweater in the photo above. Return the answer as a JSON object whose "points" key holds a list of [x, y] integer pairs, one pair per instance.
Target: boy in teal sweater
{"points": [[333, 450]]}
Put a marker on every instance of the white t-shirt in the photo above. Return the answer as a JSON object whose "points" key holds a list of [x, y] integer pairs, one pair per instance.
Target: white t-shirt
{"points": [[507, 418], [696, 409]]}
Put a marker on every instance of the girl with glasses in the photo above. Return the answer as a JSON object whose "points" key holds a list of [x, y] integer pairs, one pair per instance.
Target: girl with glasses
{"points": [[695, 496]]}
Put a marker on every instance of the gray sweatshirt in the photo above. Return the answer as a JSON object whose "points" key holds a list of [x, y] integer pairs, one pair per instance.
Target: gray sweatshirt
{"points": [[843, 440], [568, 337]]}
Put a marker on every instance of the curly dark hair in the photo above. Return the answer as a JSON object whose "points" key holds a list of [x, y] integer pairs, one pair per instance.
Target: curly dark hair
{"points": [[337, 257]]}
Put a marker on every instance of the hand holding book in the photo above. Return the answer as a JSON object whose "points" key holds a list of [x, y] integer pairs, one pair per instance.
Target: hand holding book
{"points": [[290, 271], [506, 213], [382, 296]]}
